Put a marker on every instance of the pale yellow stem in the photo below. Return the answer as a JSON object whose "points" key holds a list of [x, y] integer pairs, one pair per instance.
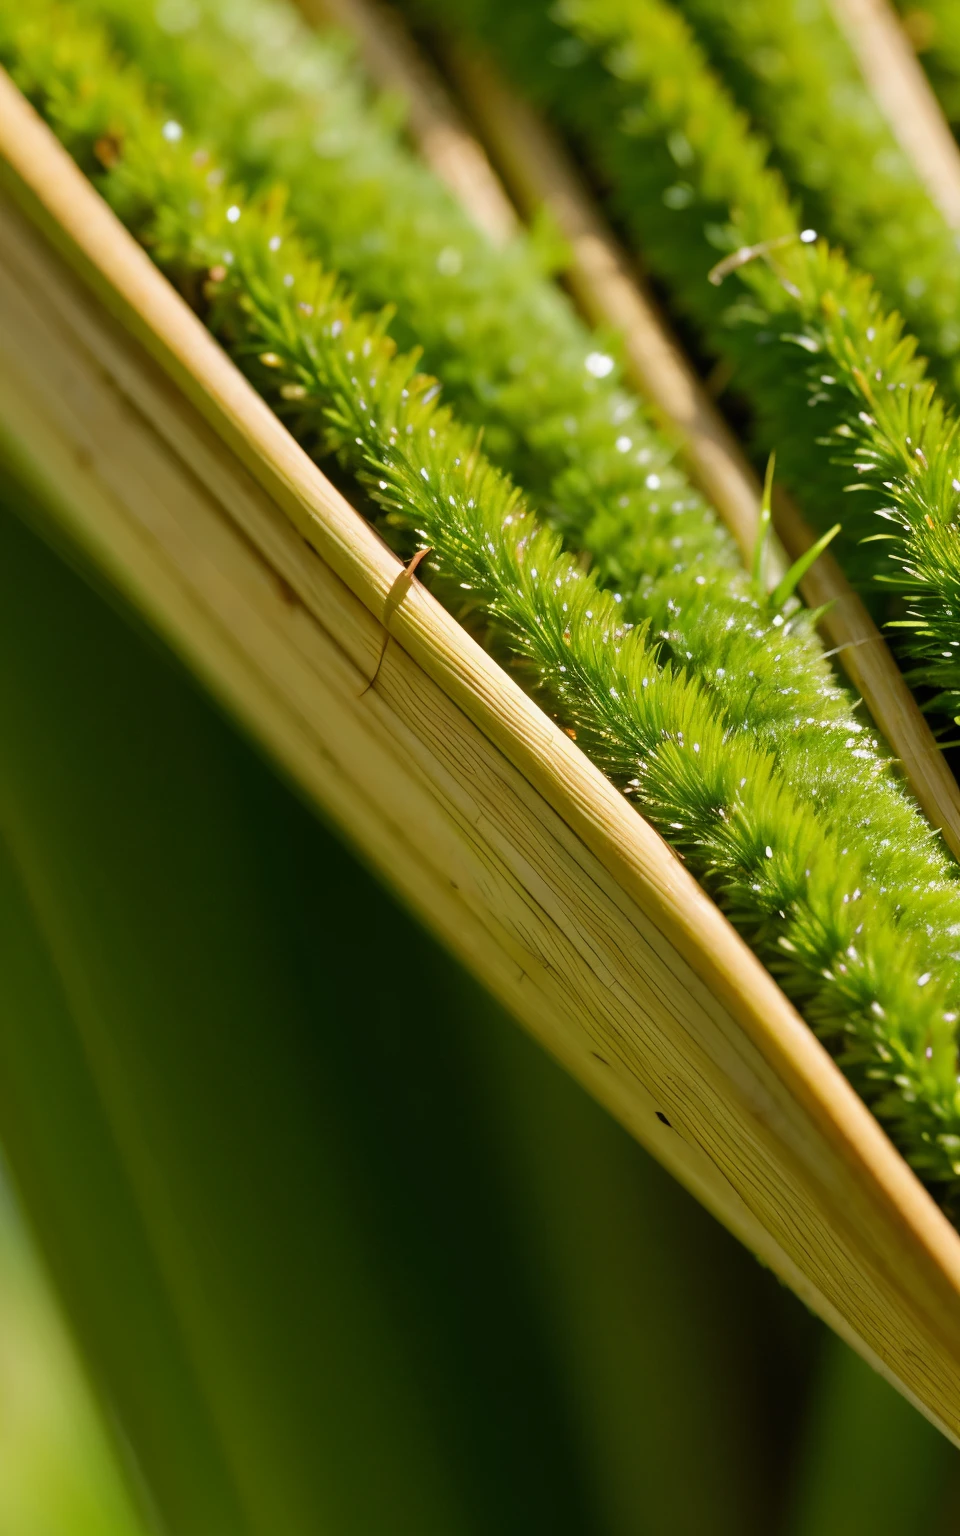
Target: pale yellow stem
{"points": [[904, 94]]}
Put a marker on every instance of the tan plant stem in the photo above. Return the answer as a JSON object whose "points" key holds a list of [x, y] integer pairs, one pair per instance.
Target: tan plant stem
{"points": [[904, 95]]}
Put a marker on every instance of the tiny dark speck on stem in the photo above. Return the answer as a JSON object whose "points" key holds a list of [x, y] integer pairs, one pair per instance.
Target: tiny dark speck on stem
{"points": [[663, 1120]]}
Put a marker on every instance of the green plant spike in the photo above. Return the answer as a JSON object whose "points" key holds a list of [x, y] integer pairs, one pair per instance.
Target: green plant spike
{"points": [[786, 588], [264, 91], [796, 75], [793, 885], [833, 381]]}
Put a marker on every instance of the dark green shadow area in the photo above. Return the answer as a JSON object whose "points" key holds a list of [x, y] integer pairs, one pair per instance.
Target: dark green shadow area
{"points": [[870, 1465]]}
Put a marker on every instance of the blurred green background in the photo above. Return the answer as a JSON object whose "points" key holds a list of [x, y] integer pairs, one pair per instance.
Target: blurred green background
{"points": [[340, 1250]]}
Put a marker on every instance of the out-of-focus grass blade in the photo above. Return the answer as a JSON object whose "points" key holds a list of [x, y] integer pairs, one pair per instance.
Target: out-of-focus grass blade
{"points": [[871, 1466], [237, 990], [53, 1127], [657, 1318], [57, 1473]]}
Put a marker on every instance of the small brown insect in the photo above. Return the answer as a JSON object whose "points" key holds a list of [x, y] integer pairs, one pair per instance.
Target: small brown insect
{"points": [[394, 598]]}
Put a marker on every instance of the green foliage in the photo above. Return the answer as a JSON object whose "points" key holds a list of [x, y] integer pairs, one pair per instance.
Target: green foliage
{"points": [[258, 87], [803, 897], [832, 380], [559, 426], [264, 91], [791, 67]]}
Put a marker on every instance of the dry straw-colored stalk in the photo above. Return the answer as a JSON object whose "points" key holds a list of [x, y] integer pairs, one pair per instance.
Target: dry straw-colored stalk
{"points": [[168, 469], [611, 292], [904, 95]]}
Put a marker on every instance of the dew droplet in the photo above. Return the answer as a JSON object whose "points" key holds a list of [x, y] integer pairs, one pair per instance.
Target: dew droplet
{"points": [[599, 364]]}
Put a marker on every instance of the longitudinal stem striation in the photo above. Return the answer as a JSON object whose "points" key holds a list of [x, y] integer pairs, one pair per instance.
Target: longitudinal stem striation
{"points": [[800, 891]]}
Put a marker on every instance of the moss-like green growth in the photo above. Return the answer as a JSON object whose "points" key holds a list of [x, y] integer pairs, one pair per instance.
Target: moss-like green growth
{"points": [[797, 77], [514, 359], [798, 889], [832, 380]]}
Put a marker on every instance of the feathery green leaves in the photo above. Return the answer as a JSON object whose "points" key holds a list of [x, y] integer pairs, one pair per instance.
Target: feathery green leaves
{"points": [[794, 72], [513, 358], [833, 382], [283, 105], [799, 890]]}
